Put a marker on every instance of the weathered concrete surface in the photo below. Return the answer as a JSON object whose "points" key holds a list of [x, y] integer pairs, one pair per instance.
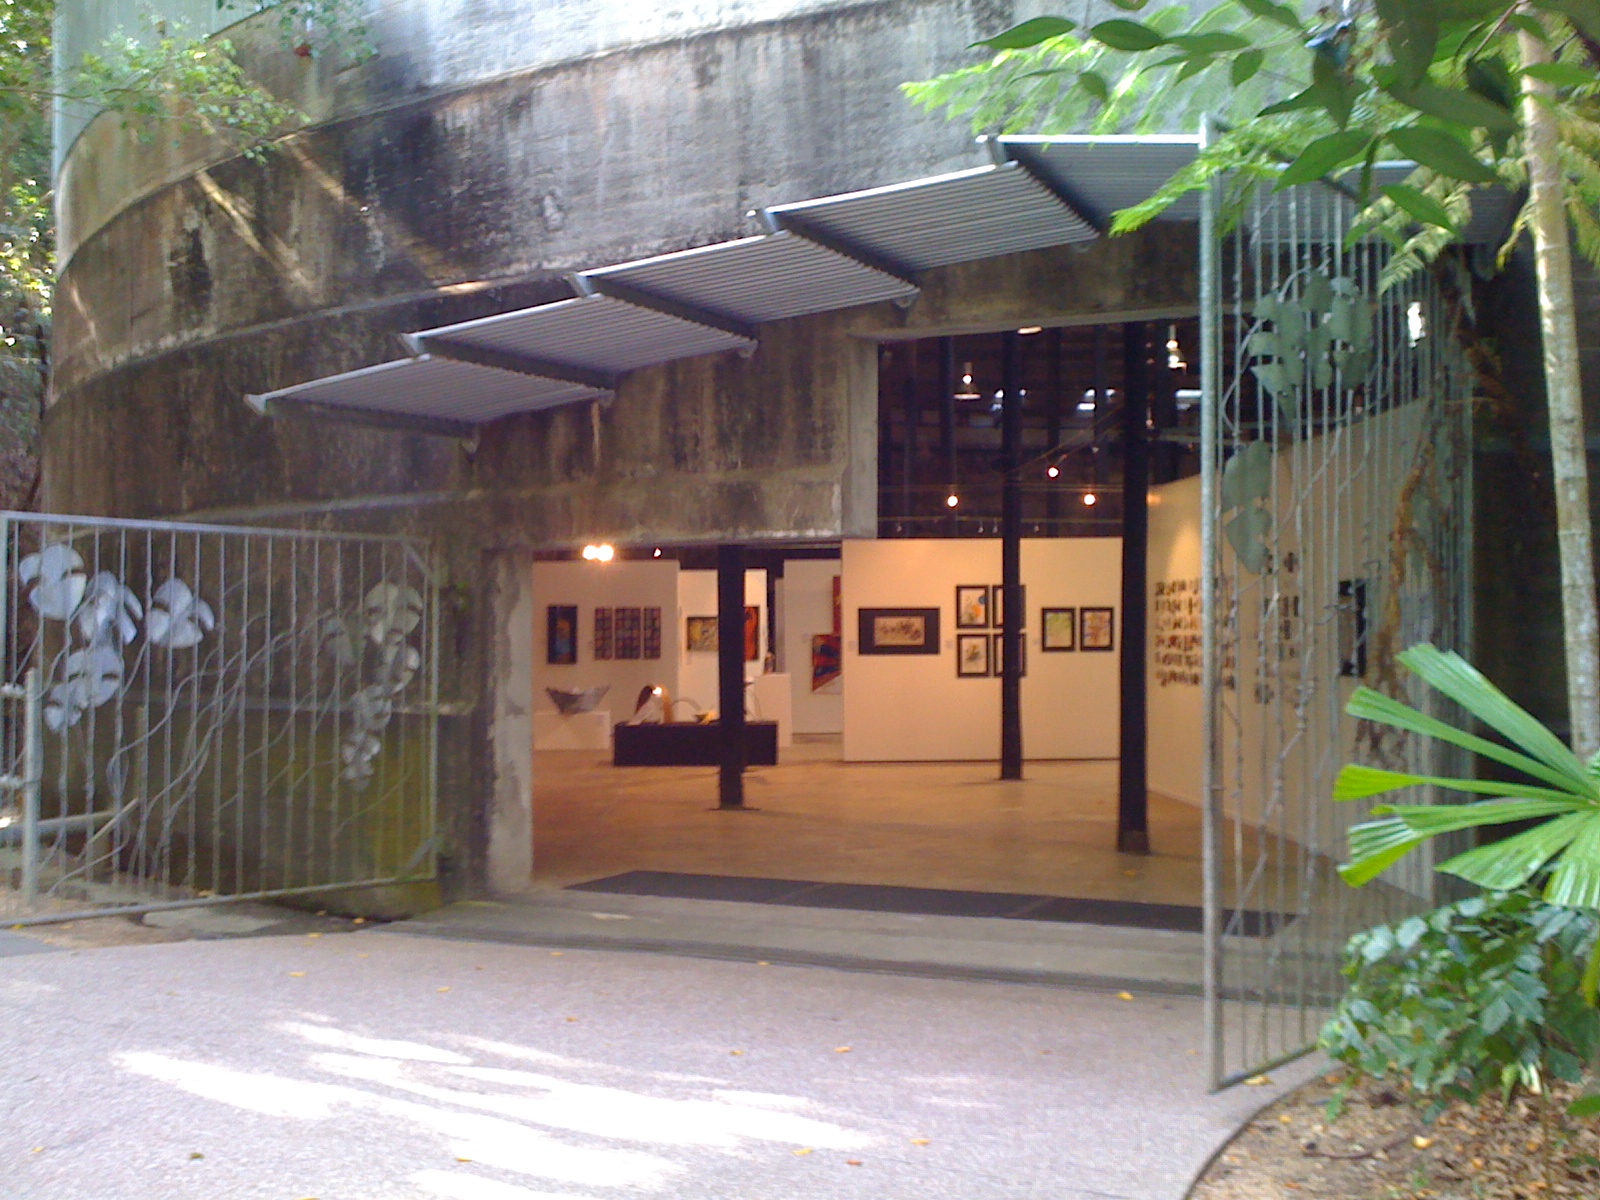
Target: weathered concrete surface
{"points": [[393, 1066]]}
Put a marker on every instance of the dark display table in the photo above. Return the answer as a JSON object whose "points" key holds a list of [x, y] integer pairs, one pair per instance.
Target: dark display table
{"points": [[684, 744]]}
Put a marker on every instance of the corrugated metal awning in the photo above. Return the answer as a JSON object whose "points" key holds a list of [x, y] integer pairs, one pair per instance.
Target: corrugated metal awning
{"points": [[912, 227], [1102, 174], [758, 279], [426, 394], [592, 340]]}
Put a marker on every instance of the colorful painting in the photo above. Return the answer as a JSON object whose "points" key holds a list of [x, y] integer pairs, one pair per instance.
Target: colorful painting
{"points": [[652, 633], [1097, 628], [752, 633], [630, 633], [972, 655], [826, 660], [898, 630], [561, 635], [998, 605], [838, 610], [701, 635], [972, 606], [602, 634], [1060, 628]]}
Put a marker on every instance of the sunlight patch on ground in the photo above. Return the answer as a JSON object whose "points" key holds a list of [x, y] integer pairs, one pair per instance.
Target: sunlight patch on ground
{"points": [[337, 1039]]}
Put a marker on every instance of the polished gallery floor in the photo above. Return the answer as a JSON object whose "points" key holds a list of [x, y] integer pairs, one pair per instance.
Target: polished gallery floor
{"points": [[813, 817]]}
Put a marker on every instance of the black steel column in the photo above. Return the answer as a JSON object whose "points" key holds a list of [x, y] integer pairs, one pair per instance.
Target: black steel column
{"points": [[1011, 562], [1056, 402], [730, 673], [1133, 796], [947, 419]]}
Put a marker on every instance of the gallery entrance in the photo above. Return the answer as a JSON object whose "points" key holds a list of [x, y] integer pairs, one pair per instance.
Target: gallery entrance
{"points": [[878, 666]]}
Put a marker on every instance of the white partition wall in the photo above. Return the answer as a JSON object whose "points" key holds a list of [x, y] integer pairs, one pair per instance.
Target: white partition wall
{"points": [[589, 586], [697, 669], [808, 611], [903, 708], [1175, 696]]}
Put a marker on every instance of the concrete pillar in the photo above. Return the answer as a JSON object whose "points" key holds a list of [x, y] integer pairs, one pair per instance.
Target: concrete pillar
{"points": [[510, 824]]}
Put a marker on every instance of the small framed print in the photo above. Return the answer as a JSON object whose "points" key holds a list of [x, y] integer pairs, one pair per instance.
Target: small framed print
{"points": [[652, 633], [701, 634], [1352, 628], [561, 635], [972, 656], [898, 630], [629, 633], [998, 605], [972, 606], [1000, 654], [1059, 629], [1097, 628], [602, 634]]}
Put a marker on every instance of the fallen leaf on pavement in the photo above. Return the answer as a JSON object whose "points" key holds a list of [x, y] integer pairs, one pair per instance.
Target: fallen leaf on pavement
{"points": [[736, 1053], [196, 1154], [444, 989], [807, 1150], [1124, 995], [1258, 1081], [297, 974], [841, 1049], [852, 1162], [919, 1141]]}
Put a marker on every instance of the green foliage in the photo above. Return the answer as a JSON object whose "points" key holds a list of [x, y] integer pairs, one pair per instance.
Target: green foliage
{"points": [[1563, 845], [1479, 996], [1303, 93]]}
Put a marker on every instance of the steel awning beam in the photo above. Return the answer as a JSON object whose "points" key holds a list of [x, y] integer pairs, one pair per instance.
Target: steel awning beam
{"points": [[283, 406], [421, 344], [800, 227], [586, 284], [1002, 153]]}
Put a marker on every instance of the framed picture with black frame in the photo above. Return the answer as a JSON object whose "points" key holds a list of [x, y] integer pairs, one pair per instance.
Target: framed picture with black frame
{"points": [[972, 606], [1000, 653], [997, 607], [898, 630], [561, 635], [1058, 630], [1097, 629], [972, 656]]}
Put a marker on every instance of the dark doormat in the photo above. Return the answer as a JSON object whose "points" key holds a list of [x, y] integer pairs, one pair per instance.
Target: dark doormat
{"points": [[868, 897]]}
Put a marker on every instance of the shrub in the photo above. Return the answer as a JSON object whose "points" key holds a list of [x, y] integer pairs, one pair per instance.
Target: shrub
{"points": [[1481, 995]]}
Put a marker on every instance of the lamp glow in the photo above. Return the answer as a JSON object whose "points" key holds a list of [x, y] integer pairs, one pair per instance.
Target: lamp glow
{"points": [[1053, 471], [1026, 330], [604, 553], [952, 500], [1090, 499]]}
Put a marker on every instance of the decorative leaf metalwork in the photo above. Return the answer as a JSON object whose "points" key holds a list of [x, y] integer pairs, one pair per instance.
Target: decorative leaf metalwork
{"points": [[58, 580], [178, 619]]}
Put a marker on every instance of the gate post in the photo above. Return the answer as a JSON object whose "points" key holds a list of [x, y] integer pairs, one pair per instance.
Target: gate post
{"points": [[510, 850], [32, 781]]}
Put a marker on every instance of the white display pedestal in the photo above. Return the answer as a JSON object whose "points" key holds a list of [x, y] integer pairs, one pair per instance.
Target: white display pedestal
{"points": [[580, 731], [771, 700]]}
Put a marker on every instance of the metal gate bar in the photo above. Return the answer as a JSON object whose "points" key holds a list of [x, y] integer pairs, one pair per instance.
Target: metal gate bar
{"points": [[211, 713], [1335, 478]]}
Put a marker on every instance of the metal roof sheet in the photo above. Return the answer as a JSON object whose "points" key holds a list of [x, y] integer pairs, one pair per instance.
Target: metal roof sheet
{"points": [[594, 333], [1099, 174], [981, 213], [430, 389], [756, 279], [1102, 174]]}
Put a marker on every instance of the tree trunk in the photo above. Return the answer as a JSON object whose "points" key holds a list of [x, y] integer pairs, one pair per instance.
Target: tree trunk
{"points": [[1564, 394]]}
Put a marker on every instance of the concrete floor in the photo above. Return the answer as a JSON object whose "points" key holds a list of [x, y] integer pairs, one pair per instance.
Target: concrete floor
{"points": [[388, 1066], [939, 825]]}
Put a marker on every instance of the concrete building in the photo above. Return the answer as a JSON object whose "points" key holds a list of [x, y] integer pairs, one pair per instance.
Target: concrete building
{"points": [[488, 152]]}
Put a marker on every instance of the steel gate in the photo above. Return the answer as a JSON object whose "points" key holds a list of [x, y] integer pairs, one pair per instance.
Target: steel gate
{"points": [[197, 713], [1335, 534]]}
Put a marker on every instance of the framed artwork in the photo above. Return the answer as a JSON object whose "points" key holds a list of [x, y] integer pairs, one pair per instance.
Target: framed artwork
{"points": [[972, 606], [826, 662], [998, 605], [752, 633], [701, 634], [838, 611], [652, 633], [561, 635], [1097, 628], [1000, 654], [1059, 629], [630, 633], [972, 656], [1353, 628], [898, 630], [602, 634]]}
